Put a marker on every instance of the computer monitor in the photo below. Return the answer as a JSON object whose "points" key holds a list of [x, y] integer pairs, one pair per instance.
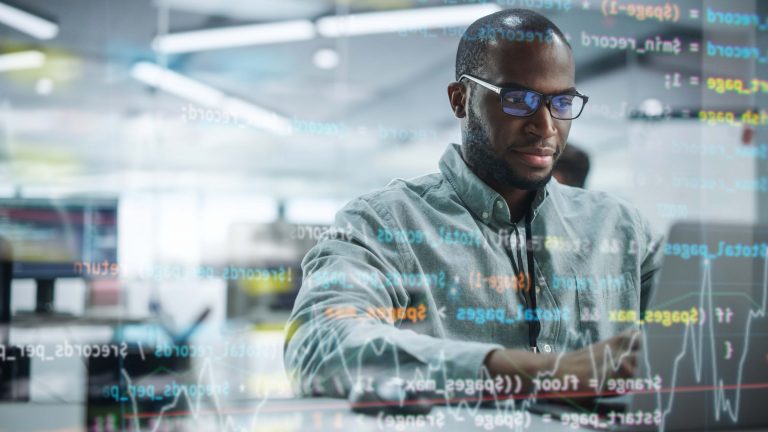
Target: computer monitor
{"points": [[263, 273], [54, 238]]}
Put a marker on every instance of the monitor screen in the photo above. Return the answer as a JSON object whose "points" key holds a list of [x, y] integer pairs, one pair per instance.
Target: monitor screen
{"points": [[54, 238]]}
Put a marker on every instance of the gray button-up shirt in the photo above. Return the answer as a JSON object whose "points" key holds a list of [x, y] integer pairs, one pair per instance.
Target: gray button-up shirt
{"points": [[432, 272]]}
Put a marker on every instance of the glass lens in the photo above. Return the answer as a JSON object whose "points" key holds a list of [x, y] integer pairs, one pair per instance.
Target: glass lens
{"points": [[566, 107], [520, 102]]}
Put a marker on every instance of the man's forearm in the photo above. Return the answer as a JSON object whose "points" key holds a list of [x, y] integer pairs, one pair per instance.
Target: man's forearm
{"points": [[521, 363], [587, 366]]}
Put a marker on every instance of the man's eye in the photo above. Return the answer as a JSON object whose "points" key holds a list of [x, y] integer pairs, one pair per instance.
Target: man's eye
{"points": [[514, 98], [563, 102], [532, 99]]}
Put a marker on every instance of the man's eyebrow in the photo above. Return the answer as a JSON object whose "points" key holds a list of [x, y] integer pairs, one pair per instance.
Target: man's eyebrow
{"points": [[571, 89]]}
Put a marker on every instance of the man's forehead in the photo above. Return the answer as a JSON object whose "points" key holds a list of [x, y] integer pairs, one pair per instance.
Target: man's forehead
{"points": [[532, 64]]}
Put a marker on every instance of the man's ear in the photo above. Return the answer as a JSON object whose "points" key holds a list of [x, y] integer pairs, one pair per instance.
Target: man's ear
{"points": [[457, 96]]}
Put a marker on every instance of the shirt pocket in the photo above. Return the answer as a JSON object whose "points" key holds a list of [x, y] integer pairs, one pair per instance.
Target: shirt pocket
{"points": [[607, 306]]}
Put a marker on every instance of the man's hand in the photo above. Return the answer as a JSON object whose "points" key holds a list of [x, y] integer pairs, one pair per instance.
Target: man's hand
{"points": [[592, 366]]}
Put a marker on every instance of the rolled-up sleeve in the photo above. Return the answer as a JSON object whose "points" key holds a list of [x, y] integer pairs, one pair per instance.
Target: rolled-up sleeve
{"points": [[651, 259], [332, 340]]}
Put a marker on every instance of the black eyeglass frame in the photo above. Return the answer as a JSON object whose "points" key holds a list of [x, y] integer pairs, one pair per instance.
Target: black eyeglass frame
{"points": [[547, 99]]}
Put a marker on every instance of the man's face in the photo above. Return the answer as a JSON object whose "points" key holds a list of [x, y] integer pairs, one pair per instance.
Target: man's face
{"points": [[518, 152]]}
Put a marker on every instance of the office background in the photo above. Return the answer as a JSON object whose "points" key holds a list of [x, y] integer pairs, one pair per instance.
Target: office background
{"points": [[170, 161]]}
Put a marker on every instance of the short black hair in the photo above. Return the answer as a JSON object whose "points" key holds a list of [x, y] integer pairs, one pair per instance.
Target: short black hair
{"points": [[509, 24]]}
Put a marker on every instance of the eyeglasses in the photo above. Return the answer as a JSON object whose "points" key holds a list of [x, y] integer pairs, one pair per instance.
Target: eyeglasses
{"points": [[519, 101]]}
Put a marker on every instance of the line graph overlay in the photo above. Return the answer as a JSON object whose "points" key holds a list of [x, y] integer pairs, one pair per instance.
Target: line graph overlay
{"points": [[693, 344], [694, 338]]}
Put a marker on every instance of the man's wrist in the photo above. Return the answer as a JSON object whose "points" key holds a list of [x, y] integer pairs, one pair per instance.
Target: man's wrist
{"points": [[522, 363]]}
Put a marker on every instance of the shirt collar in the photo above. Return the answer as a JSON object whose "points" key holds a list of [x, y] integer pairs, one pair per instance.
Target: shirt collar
{"points": [[481, 199]]}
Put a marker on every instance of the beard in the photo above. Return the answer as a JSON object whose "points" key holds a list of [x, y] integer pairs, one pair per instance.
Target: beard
{"points": [[489, 165]]}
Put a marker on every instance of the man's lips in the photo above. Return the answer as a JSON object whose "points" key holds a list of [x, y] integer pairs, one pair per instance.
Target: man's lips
{"points": [[536, 157]]}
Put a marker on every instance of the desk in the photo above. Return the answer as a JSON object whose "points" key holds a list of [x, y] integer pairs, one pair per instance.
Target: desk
{"points": [[335, 415], [256, 400], [318, 414]]}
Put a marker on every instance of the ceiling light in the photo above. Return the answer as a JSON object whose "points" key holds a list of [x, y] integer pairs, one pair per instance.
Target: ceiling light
{"points": [[258, 117], [326, 58], [26, 22], [21, 60], [396, 21], [228, 37], [44, 86], [177, 84], [203, 94]]}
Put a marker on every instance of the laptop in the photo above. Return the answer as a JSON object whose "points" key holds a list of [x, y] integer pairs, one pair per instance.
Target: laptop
{"points": [[709, 374]]}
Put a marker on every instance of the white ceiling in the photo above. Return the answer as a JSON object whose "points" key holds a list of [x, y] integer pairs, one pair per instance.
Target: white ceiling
{"points": [[101, 129]]}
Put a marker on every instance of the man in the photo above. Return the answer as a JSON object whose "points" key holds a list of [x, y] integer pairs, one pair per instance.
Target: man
{"points": [[489, 268]]}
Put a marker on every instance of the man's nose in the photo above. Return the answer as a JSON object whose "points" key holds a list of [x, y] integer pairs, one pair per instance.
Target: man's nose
{"points": [[541, 123]]}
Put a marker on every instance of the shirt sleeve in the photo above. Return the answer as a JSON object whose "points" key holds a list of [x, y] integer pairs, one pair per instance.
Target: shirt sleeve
{"points": [[651, 258], [332, 341]]}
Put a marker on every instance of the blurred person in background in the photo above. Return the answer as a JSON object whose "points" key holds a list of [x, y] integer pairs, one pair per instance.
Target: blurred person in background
{"points": [[573, 167]]}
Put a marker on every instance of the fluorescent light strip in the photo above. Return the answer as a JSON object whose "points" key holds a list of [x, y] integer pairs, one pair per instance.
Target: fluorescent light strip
{"points": [[258, 117], [194, 91], [177, 84], [255, 34], [26, 22], [21, 60], [335, 26], [396, 21]]}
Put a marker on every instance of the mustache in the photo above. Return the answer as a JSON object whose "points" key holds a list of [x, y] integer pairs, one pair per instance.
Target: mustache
{"points": [[538, 151], [475, 135], [536, 147]]}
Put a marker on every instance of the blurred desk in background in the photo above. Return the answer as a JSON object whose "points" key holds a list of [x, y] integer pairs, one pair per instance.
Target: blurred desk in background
{"points": [[225, 380], [319, 414]]}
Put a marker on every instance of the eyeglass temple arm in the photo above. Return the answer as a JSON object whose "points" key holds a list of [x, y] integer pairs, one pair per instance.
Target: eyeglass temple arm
{"points": [[489, 86]]}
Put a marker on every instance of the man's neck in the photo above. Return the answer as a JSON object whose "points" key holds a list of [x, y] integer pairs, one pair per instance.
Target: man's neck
{"points": [[518, 200]]}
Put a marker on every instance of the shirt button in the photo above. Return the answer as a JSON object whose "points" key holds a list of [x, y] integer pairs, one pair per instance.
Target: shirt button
{"points": [[547, 348], [485, 215], [499, 204]]}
